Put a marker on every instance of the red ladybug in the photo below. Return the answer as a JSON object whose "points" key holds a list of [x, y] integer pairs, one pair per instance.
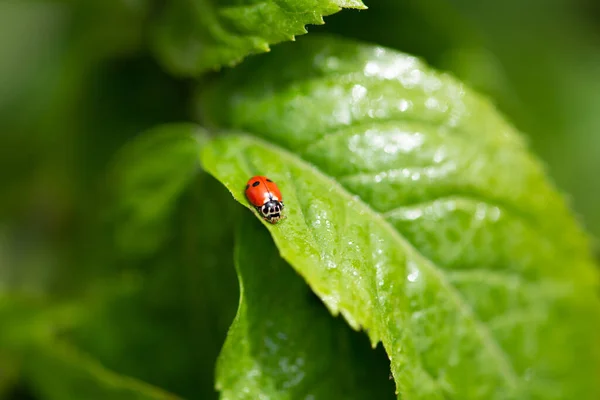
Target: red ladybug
{"points": [[264, 194]]}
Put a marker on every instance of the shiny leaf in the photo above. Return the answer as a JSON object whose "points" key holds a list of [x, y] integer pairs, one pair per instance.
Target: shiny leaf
{"points": [[417, 212], [283, 344]]}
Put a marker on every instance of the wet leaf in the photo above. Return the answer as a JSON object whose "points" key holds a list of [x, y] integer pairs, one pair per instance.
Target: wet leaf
{"points": [[418, 213], [283, 343], [197, 35]]}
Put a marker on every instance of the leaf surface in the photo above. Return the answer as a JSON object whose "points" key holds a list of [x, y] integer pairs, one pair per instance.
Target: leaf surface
{"points": [[197, 35], [157, 314], [148, 177], [163, 315], [283, 343], [74, 373], [54, 368], [417, 212]]}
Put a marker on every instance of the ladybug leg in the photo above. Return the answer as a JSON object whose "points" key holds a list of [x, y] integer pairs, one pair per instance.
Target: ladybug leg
{"points": [[283, 216]]}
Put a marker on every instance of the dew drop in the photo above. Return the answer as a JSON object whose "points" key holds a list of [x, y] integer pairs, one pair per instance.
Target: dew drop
{"points": [[480, 211], [432, 103], [439, 156], [413, 276], [371, 68], [413, 214], [403, 105], [358, 92], [494, 214], [332, 62]]}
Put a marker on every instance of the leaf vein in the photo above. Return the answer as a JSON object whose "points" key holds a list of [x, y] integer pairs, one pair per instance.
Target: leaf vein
{"points": [[485, 335]]}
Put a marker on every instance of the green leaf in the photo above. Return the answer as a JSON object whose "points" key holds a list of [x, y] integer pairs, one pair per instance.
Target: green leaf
{"points": [[55, 368], [283, 344], [9, 376], [158, 312], [194, 36], [167, 327], [75, 374], [417, 212], [148, 177], [161, 313]]}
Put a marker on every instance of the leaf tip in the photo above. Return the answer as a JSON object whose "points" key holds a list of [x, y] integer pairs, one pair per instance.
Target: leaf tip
{"points": [[355, 4], [263, 47]]}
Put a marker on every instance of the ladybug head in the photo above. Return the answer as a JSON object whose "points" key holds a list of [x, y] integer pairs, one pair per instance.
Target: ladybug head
{"points": [[271, 210]]}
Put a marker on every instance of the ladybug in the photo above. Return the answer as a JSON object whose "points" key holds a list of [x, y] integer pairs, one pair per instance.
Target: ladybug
{"points": [[264, 194]]}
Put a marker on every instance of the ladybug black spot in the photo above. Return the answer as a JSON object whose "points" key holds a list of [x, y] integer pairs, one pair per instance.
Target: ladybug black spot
{"points": [[268, 180], [247, 186], [255, 184]]}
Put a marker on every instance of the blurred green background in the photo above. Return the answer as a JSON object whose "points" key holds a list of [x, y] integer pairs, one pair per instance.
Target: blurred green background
{"points": [[78, 79]]}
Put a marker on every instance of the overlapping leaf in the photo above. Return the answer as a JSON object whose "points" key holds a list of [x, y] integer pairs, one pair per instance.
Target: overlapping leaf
{"points": [[148, 178], [159, 314], [81, 376], [54, 368], [417, 212], [283, 344], [197, 35], [174, 232]]}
